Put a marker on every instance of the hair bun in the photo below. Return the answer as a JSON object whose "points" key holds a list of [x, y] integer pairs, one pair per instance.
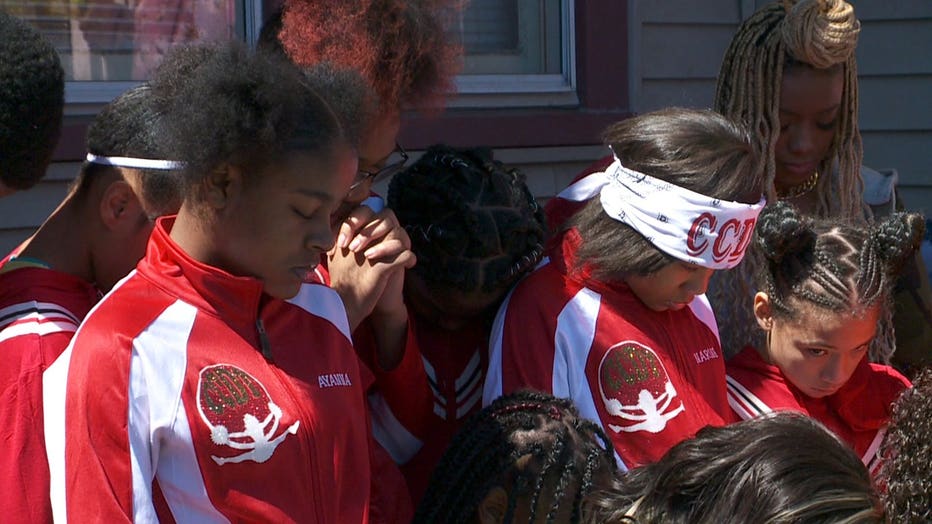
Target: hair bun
{"points": [[897, 237], [782, 231], [821, 33]]}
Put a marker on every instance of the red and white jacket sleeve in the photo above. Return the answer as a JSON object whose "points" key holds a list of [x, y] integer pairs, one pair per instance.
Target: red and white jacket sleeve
{"points": [[528, 318], [400, 400], [101, 453]]}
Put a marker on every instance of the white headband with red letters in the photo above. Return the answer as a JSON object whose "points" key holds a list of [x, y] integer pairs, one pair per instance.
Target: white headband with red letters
{"points": [[692, 227]]}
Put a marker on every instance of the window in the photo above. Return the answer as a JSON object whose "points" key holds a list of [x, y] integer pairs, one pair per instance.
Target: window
{"points": [[517, 53], [108, 45]]}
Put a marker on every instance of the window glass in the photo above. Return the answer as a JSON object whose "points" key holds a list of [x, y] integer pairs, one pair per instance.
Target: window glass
{"points": [[517, 52], [512, 37], [123, 40]]}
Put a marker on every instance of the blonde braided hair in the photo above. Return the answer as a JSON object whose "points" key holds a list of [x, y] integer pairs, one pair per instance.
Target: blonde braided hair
{"points": [[821, 34]]}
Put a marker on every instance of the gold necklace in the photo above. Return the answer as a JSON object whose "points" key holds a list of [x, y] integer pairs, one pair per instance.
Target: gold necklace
{"points": [[801, 189]]}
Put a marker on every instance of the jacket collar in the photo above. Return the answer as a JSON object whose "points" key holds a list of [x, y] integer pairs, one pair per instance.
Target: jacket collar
{"points": [[234, 299]]}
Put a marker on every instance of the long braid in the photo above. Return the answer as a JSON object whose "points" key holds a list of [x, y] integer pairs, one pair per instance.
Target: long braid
{"points": [[553, 460], [530, 443], [822, 33]]}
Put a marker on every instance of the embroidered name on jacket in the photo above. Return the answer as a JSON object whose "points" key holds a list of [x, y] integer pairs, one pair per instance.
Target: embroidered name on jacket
{"points": [[705, 355], [332, 380], [240, 414], [636, 389]]}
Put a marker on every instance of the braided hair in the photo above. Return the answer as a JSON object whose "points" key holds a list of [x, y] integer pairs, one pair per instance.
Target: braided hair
{"points": [[473, 222], [33, 86], [906, 473], [779, 468], [533, 445], [778, 37], [818, 33], [829, 264]]}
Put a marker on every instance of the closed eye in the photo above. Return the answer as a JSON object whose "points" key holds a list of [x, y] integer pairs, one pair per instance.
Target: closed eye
{"points": [[827, 126], [303, 215]]}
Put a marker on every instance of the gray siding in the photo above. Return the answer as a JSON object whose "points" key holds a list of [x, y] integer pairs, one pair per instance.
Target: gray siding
{"points": [[22, 212], [676, 49]]}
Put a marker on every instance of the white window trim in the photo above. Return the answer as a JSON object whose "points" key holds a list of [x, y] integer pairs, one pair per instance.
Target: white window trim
{"points": [[545, 90], [88, 97]]}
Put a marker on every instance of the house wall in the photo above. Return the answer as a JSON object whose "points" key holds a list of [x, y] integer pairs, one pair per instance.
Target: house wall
{"points": [[676, 48], [660, 53]]}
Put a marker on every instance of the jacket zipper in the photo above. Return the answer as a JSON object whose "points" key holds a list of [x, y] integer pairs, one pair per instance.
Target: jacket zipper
{"points": [[264, 343]]}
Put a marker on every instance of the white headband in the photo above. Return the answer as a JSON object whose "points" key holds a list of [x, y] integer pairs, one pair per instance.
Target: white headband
{"points": [[692, 227], [138, 163]]}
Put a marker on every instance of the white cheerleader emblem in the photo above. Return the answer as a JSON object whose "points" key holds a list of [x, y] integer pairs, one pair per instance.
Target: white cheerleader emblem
{"points": [[240, 414], [635, 388]]}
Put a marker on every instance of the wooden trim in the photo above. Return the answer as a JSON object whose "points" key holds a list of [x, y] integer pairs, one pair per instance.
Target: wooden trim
{"points": [[602, 54]]}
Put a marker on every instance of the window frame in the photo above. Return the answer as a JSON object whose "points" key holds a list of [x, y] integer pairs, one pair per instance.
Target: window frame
{"points": [[87, 97], [526, 90], [508, 118]]}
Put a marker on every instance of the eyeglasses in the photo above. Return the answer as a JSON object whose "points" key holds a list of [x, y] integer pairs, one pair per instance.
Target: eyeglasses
{"points": [[390, 168]]}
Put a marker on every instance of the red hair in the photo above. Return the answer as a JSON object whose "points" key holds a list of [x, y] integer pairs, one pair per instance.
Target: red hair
{"points": [[401, 47]]}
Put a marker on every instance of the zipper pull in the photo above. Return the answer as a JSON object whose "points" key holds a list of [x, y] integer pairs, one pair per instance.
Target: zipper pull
{"points": [[264, 341]]}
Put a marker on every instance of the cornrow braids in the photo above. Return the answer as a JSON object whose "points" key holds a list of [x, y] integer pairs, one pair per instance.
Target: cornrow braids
{"points": [[782, 35], [533, 445], [836, 267], [473, 223]]}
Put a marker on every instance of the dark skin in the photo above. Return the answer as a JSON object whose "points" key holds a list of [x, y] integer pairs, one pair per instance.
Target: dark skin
{"points": [[810, 101], [372, 251], [272, 225], [78, 237]]}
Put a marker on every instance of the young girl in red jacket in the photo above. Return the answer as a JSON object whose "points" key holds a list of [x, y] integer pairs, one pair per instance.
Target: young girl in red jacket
{"points": [[616, 320], [821, 294], [51, 281], [476, 229], [212, 384]]}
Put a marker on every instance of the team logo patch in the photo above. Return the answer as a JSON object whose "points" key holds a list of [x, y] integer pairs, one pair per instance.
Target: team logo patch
{"points": [[636, 389], [240, 414]]}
